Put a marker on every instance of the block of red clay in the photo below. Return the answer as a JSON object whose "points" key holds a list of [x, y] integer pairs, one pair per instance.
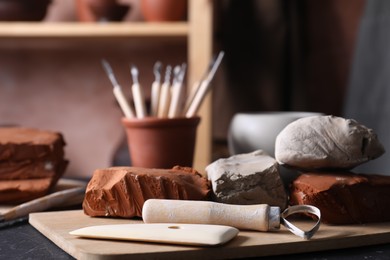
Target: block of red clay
{"points": [[344, 197], [122, 191]]}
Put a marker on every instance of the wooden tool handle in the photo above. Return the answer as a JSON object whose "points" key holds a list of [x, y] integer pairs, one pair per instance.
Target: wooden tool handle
{"points": [[120, 97], [253, 217], [165, 97], [139, 103], [155, 97]]}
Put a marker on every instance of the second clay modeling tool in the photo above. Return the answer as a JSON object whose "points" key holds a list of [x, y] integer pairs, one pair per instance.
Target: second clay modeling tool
{"points": [[155, 92], [117, 90], [165, 95], [203, 88], [177, 92], [138, 96]]}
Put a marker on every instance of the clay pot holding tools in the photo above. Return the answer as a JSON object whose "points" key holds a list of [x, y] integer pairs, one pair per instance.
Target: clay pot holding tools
{"points": [[100, 10], [164, 10], [161, 142]]}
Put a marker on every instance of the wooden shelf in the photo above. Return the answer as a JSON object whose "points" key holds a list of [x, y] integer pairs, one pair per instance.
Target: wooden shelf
{"points": [[196, 34], [92, 30]]}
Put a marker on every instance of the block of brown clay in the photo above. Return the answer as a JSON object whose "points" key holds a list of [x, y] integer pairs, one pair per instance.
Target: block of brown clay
{"points": [[344, 197], [31, 162], [17, 191], [122, 191]]}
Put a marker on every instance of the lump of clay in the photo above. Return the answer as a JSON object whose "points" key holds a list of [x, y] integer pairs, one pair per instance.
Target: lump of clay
{"points": [[326, 142], [344, 197], [122, 191], [31, 162], [18, 191], [247, 179]]}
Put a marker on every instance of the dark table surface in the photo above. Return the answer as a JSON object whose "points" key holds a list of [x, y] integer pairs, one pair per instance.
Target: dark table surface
{"points": [[23, 241]]}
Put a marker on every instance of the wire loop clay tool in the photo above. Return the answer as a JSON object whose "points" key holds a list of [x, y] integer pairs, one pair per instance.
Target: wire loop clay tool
{"points": [[261, 217]]}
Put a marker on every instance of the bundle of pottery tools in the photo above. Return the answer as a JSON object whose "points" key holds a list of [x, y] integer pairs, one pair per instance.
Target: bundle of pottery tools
{"points": [[169, 97]]}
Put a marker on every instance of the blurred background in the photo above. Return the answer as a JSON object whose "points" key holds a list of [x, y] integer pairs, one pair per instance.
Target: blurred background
{"points": [[324, 56]]}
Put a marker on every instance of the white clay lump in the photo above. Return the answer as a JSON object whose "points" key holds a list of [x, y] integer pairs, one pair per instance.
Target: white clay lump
{"points": [[326, 142], [247, 179]]}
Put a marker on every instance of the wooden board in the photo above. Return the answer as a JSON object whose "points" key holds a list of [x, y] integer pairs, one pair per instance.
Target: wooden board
{"points": [[57, 225]]}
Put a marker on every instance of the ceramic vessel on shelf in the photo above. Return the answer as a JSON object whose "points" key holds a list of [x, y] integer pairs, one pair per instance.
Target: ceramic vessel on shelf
{"points": [[23, 10], [163, 10], [100, 10]]}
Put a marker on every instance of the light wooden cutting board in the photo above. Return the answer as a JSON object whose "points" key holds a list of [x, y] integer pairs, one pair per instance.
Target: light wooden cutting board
{"points": [[57, 225]]}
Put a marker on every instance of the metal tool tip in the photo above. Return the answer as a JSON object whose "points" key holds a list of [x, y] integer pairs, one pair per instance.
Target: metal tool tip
{"points": [[105, 63], [157, 66], [176, 69], [134, 70]]}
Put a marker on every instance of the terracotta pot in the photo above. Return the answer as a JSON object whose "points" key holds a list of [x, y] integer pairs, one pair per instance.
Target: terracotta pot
{"points": [[161, 142], [164, 10], [100, 10], [23, 10]]}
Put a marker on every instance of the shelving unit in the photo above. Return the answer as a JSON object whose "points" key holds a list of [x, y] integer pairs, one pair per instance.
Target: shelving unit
{"points": [[73, 30], [197, 32]]}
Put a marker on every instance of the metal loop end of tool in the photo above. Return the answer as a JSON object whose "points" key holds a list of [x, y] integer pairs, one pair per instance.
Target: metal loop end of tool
{"points": [[301, 209]]}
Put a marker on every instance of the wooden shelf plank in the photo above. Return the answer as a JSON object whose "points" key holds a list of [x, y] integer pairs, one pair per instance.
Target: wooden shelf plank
{"points": [[92, 30]]}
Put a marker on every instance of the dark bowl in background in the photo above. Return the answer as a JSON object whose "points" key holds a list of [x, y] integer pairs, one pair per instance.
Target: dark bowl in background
{"points": [[100, 10], [23, 10]]}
